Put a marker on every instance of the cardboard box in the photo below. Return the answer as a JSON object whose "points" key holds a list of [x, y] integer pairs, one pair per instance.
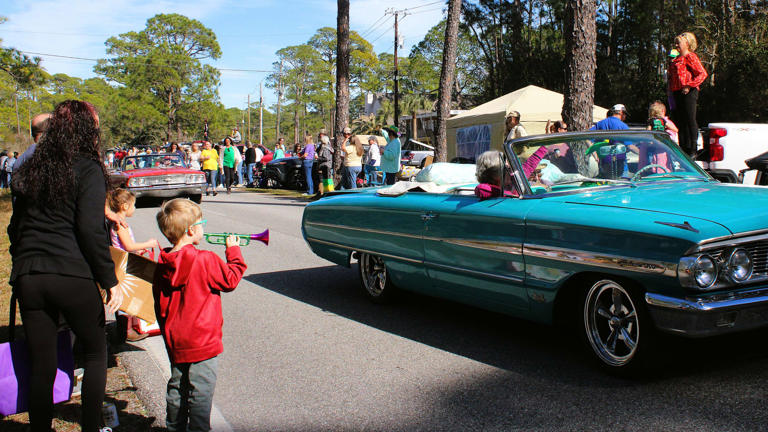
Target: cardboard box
{"points": [[134, 275]]}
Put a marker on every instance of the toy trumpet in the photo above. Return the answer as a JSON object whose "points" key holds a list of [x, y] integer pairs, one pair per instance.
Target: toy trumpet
{"points": [[245, 239]]}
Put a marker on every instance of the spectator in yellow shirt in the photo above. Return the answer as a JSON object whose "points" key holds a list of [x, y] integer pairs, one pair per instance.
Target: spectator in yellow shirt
{"points": [[210, 159]]}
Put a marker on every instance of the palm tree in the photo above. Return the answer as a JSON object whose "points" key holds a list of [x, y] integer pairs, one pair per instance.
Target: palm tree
{"points": [[386, 113], [413, 104], [365, 125]]}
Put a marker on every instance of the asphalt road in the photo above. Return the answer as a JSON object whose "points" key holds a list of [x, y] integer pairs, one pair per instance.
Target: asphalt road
{"points": [[304, 350]]}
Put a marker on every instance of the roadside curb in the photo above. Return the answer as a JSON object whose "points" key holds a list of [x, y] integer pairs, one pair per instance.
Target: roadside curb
{"points": [[149, 369]]}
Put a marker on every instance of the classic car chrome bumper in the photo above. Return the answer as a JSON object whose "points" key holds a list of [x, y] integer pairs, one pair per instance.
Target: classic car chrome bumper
{"points": [[712, 315], [167, 191]]}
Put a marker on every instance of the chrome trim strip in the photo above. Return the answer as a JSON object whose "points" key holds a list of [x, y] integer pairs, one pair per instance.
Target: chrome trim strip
{"points": [[710, 304], [431, 264], [731, 240], [494, 246], [367, 230], [475, 272], [355, 249], [603, 260]]}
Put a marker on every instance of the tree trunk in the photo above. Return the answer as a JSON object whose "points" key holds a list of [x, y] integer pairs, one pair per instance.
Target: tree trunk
{"points": [[342, 80], [279, 97], [296, 125], [580, 58], [16, 104], [446, 79]]}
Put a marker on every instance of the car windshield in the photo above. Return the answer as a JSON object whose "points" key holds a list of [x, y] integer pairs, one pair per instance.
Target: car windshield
{"points": [[160, 160], [582, 160]]}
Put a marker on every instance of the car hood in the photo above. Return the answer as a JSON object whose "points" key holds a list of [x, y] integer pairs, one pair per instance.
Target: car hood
{"points": [[738, 208]]}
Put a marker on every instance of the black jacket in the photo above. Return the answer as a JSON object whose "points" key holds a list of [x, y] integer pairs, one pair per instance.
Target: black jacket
{"points": [[250, 156], [71, 240]]}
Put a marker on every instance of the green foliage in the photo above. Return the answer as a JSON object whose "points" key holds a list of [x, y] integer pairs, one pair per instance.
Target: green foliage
{"points": [[165, 60]]}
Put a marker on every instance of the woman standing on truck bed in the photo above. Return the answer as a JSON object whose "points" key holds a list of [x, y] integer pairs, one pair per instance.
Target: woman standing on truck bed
{"points": [[685, 76]]}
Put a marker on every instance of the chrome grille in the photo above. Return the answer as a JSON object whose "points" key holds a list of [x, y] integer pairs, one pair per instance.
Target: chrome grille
{"points": [[171, 179], [758, 251]]}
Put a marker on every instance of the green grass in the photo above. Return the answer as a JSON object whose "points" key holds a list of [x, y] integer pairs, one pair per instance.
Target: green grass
{"points": [[279, 192]]}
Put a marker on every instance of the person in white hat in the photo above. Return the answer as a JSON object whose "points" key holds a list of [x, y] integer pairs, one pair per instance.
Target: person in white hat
{"points": [[615, 120], [513, 126]]}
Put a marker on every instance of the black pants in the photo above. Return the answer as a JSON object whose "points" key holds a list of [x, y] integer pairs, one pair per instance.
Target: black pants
{"points": [[229, 177], [390, 178], [41, 298], [684, 117]]}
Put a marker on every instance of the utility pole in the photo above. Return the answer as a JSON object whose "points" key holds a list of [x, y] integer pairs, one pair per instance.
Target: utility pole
{"points": [[261, 115], [249, 116], [397, 14]]}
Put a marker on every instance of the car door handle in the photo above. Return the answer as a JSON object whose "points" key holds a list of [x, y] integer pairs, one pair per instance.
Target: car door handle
{"points": [[428, 216]]}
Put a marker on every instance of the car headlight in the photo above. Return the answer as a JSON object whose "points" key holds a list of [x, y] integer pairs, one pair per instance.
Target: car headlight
{"points": [[698, 271], [739, 265], [705, 271], [195, 178], [137, 181]]}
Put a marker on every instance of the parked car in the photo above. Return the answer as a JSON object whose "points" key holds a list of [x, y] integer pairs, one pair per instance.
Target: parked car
{"points": [[415, 153], [287, 173], [163, 175], [617, 250]]}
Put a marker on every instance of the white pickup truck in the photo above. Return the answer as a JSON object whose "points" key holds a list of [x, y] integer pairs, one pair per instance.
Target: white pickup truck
{"points": [[728, 145]]}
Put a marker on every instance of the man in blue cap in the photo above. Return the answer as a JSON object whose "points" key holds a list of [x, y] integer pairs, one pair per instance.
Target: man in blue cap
{"points": [[614, 121]]}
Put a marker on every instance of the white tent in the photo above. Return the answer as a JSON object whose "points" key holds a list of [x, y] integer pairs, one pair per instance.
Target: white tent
{"points": [[482, 128]]}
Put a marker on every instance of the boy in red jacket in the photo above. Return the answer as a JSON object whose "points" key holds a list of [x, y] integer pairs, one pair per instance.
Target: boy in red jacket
{"points": [[187, 287]]}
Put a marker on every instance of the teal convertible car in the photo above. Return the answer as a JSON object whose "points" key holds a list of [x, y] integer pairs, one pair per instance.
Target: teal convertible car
{"points": [[616, 233]]}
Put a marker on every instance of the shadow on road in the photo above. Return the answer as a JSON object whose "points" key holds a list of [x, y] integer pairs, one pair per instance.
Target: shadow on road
{"points": [[545, 380], [497, 339]]}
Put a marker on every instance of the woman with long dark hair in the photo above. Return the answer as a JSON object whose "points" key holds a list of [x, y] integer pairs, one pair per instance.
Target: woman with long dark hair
{"points": [[60, 252]]}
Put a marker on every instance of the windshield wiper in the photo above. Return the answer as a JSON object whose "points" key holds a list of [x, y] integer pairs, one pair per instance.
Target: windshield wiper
{"points": [[670, 175], [595, 180]]}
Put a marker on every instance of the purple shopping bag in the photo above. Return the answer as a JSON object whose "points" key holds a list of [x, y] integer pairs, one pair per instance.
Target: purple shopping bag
{"points": [[14, 371]]}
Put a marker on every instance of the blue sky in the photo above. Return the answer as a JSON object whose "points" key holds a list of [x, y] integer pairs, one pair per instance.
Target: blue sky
{"points": [[249, 31]]}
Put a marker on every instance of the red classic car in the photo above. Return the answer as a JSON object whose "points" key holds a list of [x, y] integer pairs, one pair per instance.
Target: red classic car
{"points": [[162, 175]]}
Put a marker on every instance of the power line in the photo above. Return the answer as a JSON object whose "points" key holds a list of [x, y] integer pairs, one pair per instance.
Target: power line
{"points": [[381, 35], [421, 6], [427, 10], [378, 27], [372, 25], [139, 62]]}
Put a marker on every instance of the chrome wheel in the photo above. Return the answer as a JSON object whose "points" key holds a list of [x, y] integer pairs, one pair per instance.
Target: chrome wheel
{"points": [[611, 323], [373, 274]]}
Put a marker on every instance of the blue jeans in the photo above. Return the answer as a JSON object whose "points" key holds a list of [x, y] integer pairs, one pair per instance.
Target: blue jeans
{"points": [[210, 178], [308, 175], [189, 396], [371, 176], [249, 172], [350, 177], [239, 171]]}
